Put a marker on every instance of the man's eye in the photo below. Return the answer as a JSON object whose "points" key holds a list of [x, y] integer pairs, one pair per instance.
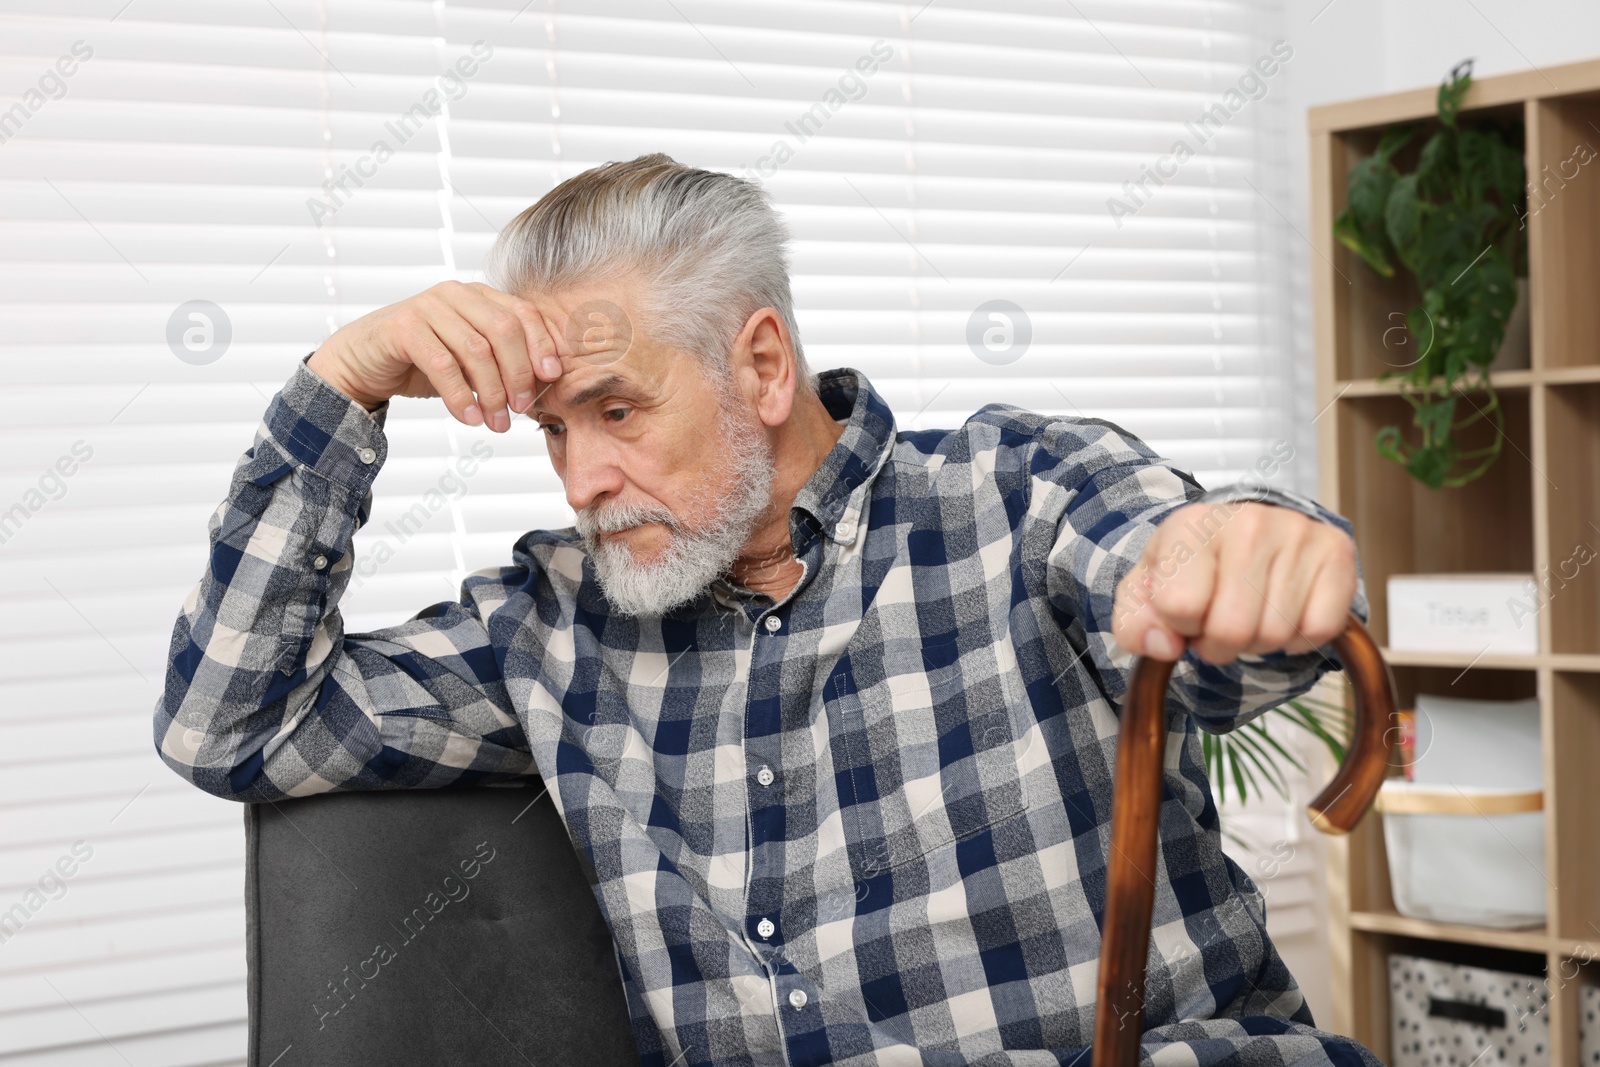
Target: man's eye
{"points": [[554, 428], [616, 411]]}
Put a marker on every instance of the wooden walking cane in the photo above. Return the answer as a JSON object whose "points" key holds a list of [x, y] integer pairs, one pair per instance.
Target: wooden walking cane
{"points": [[1135, 810]]}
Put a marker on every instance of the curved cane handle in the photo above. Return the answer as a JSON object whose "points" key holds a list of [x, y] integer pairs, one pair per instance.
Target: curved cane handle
{"points": [[1135, 813]]}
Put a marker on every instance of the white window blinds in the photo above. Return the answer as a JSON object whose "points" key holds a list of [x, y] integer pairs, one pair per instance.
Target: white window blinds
{"points": [[195, 193]]}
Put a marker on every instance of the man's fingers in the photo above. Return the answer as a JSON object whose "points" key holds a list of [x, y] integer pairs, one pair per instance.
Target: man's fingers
{"points": [[1288, 581], [483, 330], [1311, 586], [507, 335], [1327, 610], [429, 354], [539, 336], [1163, 600], [1137, 623], [479, 360], [1183, 574], [1234, 615]]}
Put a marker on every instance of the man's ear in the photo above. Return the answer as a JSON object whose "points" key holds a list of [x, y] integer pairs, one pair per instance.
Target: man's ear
{"points": [[763, 357]]}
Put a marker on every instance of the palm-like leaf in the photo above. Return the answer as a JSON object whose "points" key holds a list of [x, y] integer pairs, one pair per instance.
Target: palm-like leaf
{"points": [[1250, 755]]}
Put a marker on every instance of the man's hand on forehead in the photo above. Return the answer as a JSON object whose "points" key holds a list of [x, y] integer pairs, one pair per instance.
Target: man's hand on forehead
{"points": [[481, 350]]}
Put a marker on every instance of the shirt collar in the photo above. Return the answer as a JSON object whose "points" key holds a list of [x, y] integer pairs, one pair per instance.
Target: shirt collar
{"points": [[835, 494]]}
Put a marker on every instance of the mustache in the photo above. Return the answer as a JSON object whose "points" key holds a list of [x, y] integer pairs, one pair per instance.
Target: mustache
{"points": [[617, 517]]}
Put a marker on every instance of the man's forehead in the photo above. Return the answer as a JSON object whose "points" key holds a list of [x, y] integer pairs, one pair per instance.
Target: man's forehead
{"points": [[572, 390]]}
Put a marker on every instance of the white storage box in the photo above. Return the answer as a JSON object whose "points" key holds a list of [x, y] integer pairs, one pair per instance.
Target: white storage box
{"points": [[1465, 854], [1465, 837], [1469, 613], [1449, 1015], [1492, 743]]}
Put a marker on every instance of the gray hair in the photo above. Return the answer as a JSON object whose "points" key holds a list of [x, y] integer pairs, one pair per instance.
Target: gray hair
{"points": [[708, 247]]}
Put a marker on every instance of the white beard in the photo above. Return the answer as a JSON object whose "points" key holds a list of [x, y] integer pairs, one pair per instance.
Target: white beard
{"points": [[694, 557]]}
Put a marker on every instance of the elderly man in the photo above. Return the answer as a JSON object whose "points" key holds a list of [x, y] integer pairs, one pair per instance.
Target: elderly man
{"points": [[827, 707]]}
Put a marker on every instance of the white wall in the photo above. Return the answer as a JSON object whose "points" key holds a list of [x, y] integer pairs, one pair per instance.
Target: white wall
{"points": [[1355, 48], [1424, 38]]}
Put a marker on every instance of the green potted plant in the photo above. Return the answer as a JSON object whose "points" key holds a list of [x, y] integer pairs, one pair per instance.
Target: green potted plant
{"points": [[1454, 223]]}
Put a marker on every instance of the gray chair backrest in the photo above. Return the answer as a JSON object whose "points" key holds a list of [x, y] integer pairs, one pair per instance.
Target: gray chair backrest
{"points": [[426, 927]]}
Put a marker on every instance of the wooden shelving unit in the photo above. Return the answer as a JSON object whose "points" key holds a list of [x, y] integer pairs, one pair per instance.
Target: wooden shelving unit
{"points": [[1528, 513]]}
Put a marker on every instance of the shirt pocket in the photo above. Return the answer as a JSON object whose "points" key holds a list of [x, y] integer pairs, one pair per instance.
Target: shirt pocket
{"points": [[928, 744]]}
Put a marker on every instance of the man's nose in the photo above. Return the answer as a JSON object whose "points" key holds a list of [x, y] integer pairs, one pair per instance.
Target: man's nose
{"points": [[592, 471]]}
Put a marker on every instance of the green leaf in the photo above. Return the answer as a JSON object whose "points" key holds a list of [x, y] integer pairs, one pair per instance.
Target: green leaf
{"points": [[1437, 166], [1272, 742], [1487, 294], [1360, 226], [1238, 774], [1450, 237], [1248, 742], [1490, 166], [1349, 234], [1431, 463], [1452, 91], [1434, 418], [1368, 190], [1403, 213], [1392, 140], [1252, 752], [1320, 723]]}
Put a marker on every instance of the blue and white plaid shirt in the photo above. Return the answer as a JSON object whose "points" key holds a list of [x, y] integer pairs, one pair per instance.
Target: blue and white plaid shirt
{"points": [[865, 824]]}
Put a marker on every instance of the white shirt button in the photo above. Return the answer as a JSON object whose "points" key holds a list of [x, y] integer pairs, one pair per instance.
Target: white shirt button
{"points": [[847, 529], [765, 776], [797, 998], [765, 928], [773, 623], [367, 455], [320, 562]]}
